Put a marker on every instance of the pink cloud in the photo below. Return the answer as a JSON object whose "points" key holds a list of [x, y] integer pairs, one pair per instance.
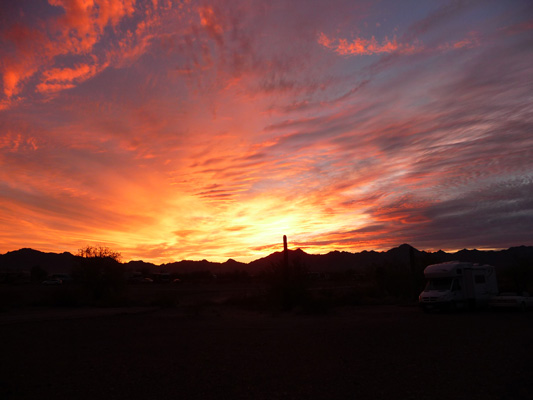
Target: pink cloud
{"points": [[361, 46], [211, 22], [471, 41], [519, 27], [18, 142], [29, 45], [57, 79], [83, 23]]}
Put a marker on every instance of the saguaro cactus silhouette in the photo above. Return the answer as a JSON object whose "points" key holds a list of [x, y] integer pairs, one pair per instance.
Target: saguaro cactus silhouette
{"points": [[285, 253]]}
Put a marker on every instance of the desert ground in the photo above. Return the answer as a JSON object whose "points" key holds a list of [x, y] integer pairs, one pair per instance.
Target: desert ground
{"points": [[220, 351]]}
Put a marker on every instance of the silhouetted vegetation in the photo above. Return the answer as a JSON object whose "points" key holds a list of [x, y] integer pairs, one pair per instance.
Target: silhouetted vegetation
{"points": [[99, 253], [101, 275]]}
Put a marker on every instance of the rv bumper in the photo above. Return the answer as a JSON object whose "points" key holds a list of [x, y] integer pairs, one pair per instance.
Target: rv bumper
{"points": [[432, 304]]}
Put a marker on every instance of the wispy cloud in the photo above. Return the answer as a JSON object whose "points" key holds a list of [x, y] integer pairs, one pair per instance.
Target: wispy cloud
{"points": [[362, 46]]}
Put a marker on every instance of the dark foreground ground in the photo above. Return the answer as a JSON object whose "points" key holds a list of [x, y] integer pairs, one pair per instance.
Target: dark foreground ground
{"points": [[219, 352]]}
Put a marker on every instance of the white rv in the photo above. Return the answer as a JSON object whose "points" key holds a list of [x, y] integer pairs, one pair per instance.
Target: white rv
{"points": [[458, 284]]}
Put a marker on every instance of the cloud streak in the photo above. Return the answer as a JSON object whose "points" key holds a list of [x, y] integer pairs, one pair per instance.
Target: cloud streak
{"points": [[361, 46]]}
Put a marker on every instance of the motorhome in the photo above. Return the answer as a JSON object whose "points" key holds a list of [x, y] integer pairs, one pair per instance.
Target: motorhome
{"points": [[457, 284]]}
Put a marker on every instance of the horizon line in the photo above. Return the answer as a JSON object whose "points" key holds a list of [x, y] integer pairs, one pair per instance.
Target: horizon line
{"points": [[296, 249]]}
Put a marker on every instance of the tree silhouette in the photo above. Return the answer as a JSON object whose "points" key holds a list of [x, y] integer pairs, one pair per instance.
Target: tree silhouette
{"points": [[99, 252], [101, 273]]}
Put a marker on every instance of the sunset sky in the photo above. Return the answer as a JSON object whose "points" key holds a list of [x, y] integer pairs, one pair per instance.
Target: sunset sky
{"points": [[172, 130]]}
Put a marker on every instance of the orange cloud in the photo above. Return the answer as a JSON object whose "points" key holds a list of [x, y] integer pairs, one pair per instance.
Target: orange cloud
{"points": [[11, 79], [361, 46], [62, 78], [82, 25], [29, 46], [83, 22], [210, 22], [69, 74], [14, 143]]}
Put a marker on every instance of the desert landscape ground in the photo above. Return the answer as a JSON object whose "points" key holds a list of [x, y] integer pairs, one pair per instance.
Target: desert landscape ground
{"points": [[202, 349]]}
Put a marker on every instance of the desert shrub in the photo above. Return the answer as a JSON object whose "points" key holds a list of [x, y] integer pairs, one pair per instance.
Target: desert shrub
{"points": [[100, 275]]}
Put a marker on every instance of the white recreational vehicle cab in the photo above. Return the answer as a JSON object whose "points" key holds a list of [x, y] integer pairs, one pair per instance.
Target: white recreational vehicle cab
{"points": [[458, 284]]}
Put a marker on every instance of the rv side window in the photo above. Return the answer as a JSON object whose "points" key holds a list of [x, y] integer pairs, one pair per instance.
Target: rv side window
{"points": [[479, 278]]}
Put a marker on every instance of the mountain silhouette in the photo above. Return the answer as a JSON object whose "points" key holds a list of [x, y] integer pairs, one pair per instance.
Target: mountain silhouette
{"points": [[26, 259], [403, 256]]}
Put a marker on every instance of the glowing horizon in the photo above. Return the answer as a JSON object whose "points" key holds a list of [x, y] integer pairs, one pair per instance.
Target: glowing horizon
{"points": [[170, 130]]}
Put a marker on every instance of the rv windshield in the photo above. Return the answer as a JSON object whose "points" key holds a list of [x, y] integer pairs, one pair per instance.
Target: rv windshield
{"points": [[439, 284]]}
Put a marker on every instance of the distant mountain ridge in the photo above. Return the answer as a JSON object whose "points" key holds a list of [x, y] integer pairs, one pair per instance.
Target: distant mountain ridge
{"points": [[25, 259], [403, 256]]}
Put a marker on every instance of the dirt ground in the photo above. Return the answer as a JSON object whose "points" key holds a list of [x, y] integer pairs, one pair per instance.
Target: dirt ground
{"points": [[222, 352]]}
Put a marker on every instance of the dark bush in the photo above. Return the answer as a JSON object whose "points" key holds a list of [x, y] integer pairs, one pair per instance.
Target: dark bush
{"points": [[101, 276]]}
